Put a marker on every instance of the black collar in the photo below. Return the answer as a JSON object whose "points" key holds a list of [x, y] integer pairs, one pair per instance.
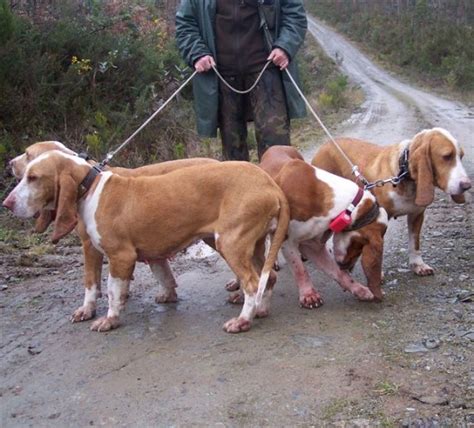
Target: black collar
{"points": [[86, 184], [365, 219], [403, 172]]}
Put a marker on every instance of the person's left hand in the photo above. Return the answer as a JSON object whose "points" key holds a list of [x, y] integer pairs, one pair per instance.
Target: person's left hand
{"points": [[279, 58]]}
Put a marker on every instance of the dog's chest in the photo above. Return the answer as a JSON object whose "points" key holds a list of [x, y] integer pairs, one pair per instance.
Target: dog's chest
{"points": [[403, 203], [88, 210]]}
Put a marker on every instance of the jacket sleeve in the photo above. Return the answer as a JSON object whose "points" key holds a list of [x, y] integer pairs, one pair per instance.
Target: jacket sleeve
{"points": [[188, 35], [293, 25]]}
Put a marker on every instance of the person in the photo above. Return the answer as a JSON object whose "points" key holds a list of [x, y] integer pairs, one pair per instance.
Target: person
{"points": [[230, 35]]}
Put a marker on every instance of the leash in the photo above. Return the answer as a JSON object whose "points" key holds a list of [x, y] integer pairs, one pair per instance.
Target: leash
{"points": [[111, 154], [238, 91], [354, 168]]}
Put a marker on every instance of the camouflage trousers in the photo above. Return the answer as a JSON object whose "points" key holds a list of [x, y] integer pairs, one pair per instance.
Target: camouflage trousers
{"points": [[265, 105]]}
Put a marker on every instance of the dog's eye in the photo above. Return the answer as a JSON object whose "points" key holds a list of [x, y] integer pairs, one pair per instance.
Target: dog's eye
{"points": [[448, 157], [32, 178]]}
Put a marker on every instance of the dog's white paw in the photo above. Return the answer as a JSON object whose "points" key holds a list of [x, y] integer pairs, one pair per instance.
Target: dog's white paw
{"points": [[233, 285], [168, 296], [83, 313], [236, 298], [237, 325], [105, 324], [363, 293], [422, 269], [310, 299]]}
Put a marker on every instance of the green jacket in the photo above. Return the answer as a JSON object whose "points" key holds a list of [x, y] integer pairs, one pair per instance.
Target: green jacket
{"points": [[195, 38]]}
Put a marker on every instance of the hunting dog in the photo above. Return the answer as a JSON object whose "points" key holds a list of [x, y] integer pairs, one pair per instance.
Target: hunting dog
{"points": [[432, 158], [315, 198], [132, 219], [93, 258]]}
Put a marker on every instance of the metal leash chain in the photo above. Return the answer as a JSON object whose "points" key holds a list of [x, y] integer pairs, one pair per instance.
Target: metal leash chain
{"points": [[114, 152], [355, 168], [238, 91]]}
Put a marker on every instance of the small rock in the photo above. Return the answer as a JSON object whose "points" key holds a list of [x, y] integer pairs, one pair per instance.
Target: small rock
{"points": [[433, 400], [54, 416], [4, 287], [34, 350], [469, 336], [415, 347], [432, 343], [465, 297]]}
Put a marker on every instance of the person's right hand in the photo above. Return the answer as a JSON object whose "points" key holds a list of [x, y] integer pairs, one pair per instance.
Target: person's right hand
{"points": [[204, 63]]}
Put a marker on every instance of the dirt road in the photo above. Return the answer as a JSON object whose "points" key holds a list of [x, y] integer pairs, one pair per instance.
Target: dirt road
{"points": [[404, 362]]}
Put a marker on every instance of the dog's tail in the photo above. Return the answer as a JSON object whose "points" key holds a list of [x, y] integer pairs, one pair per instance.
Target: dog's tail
{"points": [[278, 238]]}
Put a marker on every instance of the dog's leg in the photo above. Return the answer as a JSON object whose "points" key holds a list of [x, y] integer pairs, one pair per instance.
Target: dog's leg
{"points": [[371, 261], [92, 279], [238, 252], [163, 274], [318, 253], [121, 270], [308, 296], [415, 222], [263, 309]]}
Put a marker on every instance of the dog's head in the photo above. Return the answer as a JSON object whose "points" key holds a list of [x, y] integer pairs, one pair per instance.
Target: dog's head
{"points": [[368, 242], [50, 184], [19, 164], [435, 160]]}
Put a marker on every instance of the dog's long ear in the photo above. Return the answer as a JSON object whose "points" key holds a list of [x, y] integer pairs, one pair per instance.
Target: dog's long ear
{"points": [[459, 199], [422, 172], [44, 220], [66, 207]]}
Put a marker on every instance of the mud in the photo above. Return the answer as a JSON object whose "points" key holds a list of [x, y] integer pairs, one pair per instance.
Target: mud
{"points": [[404, 362]]}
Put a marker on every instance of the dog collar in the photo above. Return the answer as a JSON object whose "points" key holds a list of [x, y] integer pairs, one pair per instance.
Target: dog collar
{"points": [[403, 172], [89, 179], [343, 220], [365, 219]]}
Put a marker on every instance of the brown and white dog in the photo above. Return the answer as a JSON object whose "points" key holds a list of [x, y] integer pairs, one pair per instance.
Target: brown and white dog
{"points": [[93, 258], [316, 197], [434, 160], [132, 219]]}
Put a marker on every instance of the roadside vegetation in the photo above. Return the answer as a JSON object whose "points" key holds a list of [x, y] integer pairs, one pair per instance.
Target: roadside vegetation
{"points": [[432, 40]]}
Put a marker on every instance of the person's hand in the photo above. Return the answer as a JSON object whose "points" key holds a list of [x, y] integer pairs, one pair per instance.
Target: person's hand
{"points": [[204, 63], [279, 58]]}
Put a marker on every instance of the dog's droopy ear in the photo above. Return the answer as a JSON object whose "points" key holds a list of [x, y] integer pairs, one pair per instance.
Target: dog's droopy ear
{"points": [[422, 172], [44, 220], [459, 199], [66, 207]]}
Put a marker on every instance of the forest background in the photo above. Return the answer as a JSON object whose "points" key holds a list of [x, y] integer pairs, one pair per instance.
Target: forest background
{"points": [[89, 72]]}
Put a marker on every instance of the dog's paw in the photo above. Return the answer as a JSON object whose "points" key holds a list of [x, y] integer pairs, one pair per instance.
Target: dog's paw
{"points": [[311, 299], [422, 269], [83, 313], [168, 296], [105, 324], [236, 325], [236, 298], [233, 285], [262, 313], [363, 293]]}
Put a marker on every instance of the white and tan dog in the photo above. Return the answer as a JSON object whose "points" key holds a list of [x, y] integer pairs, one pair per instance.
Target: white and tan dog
{"points": [[434, 160], [316, 197], [132, 219], [93, 259]]}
